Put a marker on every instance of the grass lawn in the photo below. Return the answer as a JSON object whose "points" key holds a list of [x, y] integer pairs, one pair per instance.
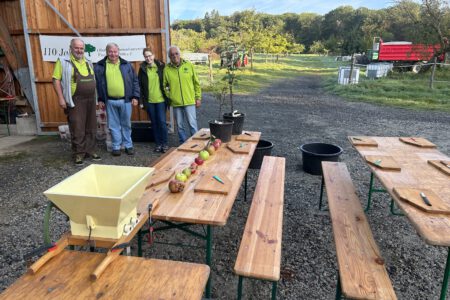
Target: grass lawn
{"points": [[398, 89]]}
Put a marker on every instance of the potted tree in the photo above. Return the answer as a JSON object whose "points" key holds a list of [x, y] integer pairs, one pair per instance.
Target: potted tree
{"points": [[234, 115], [220, 128]]}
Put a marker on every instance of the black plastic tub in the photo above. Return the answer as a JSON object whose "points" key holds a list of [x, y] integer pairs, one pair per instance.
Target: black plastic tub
{"points": [[263, 148], [142, 132], [313, 154], [221, 129], [238, 122]]}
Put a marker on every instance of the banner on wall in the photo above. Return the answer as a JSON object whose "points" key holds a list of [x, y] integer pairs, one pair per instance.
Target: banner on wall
{"points": [[130, 46]]}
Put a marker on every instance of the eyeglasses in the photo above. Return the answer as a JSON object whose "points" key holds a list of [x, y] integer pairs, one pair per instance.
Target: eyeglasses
{"points": [[147, 56]]}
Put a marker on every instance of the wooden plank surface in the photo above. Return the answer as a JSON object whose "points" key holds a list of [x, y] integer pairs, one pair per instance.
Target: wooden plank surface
{"points": [[362, 141], [413, 197], [383, 162], [418, 142], [208, 184], [260, 249], [66, 276], [198, 208], [415, 172], [361, 266], [441, 165], [239, 147]]}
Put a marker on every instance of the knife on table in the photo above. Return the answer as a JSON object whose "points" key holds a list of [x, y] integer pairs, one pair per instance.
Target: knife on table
{"points": [[425, 199]]}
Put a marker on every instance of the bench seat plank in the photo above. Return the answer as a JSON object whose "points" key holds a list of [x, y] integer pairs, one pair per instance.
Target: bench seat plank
{"points": [[361, 268], [260, 250]]}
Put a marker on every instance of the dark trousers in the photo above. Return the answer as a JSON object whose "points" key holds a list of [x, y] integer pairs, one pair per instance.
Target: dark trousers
{"points": [[83, 125], [157, 114]]}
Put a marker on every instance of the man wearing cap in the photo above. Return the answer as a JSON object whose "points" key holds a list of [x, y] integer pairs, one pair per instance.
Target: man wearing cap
{"points": [[74, 83]]}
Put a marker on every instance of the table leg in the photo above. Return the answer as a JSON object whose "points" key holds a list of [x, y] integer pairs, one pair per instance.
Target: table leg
{"points": [[446, 275], [321, 193], [209, 238]]}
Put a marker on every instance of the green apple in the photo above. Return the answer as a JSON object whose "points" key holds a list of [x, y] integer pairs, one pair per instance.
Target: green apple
{"points": [[204, 155], [181, 177], [187, 172]]}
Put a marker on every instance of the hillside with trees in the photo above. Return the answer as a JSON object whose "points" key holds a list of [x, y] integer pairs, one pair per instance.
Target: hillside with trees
{"points": [[342, 31]]}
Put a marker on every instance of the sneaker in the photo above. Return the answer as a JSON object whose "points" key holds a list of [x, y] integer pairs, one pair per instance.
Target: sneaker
{"points": [[95, 157], [164, 149], [79, 160], [158, 148], [116, 152], [129, 151]]}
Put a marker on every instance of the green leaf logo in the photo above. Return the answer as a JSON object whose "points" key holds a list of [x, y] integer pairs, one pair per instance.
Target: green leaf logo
{"points": [[89, 49]]}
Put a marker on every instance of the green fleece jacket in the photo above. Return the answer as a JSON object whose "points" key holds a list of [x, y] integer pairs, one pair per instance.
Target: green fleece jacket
{"points": [[181, 84]]}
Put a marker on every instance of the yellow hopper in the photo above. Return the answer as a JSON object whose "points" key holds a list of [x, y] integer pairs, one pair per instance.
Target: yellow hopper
{"points": [[101, 200]]}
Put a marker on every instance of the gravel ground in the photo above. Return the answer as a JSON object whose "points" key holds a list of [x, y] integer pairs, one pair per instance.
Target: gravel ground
{"points": [[289, 113]]}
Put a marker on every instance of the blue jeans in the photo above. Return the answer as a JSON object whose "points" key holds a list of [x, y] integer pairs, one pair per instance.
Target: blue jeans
{"points": [[183, 115], [119, 123], [157, 115]]}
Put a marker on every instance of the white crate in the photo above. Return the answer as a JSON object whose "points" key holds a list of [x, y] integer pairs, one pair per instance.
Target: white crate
{"points": [[344, 73]]}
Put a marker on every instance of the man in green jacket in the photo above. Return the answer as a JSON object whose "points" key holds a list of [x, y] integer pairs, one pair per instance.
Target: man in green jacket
{"points": [[182, 87]]}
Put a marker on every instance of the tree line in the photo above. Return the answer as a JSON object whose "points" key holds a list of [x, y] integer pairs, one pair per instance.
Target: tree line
{"points": [[342, 31]]}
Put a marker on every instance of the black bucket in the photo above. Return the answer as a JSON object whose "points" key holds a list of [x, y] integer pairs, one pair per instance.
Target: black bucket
{"points": [[313, 154], [238, 122], [221, 130], [263, 148], [142, 132]]}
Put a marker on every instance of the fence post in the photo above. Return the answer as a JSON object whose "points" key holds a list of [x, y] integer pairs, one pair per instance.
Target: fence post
{"points": [[351, 70], [432, 73], [210, 73]]}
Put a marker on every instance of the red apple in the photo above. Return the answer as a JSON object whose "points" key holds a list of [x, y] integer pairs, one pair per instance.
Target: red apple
{"points": [[199, 161], [216, 144], [193, 168]]}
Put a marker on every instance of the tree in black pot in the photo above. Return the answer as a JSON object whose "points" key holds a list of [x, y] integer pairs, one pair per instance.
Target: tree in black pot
{"points": [[234, 115]]}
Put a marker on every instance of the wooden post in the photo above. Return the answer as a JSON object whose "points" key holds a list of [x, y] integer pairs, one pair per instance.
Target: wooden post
{"points": [[210, 72], [351, 69], [432, 72]]}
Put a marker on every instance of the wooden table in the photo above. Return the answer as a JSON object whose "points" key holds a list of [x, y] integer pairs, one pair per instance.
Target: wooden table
{"points": [[66, 276], [415, 172], [190, 207]]}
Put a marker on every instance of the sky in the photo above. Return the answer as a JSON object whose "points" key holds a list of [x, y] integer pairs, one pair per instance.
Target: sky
{"points": [[194, 9]]}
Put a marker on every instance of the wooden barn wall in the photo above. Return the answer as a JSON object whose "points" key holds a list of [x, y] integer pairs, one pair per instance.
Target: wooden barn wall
{"points": [[90, 18]]}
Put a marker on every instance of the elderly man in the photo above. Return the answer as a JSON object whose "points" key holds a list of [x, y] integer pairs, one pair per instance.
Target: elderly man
{"points": [[118, 88], [74, 83], [182, 87]]}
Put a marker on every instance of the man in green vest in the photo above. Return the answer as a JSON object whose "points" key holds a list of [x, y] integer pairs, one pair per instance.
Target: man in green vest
{"points": [[182, 87], [74, 83]]}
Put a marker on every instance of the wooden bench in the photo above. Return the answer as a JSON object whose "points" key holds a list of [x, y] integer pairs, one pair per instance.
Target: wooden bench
{"points": [[259, 254], [362, 273]]}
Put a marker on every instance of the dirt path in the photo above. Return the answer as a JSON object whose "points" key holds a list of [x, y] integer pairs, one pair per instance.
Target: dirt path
{"points": [[289, 113]]}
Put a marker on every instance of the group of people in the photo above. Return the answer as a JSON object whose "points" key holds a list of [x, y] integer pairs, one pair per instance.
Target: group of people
{"points": [[114, 84]]}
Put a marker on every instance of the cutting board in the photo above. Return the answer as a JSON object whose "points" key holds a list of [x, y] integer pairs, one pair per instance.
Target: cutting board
{"points": [[247, 137], [418, 141], [362, 141], [439, 164], [192, 146], [160, 176], [201, 135], [412, 196], [207, 184], [383, 162], [239, 147]]}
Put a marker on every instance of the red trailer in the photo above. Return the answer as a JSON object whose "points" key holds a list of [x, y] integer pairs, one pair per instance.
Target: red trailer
{"points": [[403, 53]]}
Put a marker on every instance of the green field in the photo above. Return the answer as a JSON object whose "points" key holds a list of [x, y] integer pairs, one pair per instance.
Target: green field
{"points": [[398, 89]]}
